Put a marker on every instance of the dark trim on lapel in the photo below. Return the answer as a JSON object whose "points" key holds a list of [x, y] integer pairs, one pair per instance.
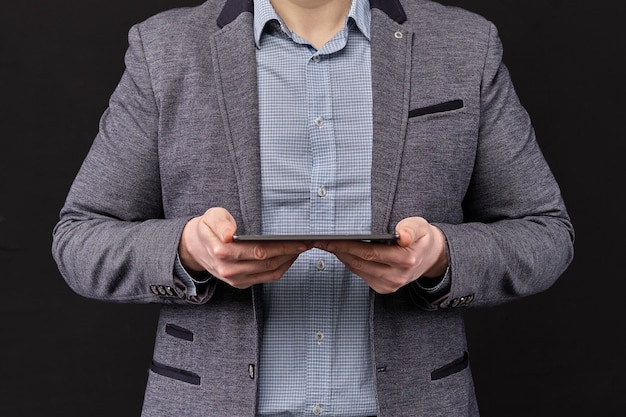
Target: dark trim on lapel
{"points": [[391, 74], [234, 8], [391, 8]]}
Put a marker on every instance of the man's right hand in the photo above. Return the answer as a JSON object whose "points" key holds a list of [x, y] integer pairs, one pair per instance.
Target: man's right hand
{"points": [[207, 244]]}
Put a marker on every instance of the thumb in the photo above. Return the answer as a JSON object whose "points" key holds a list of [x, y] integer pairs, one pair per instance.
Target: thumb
{"points": [[405, 233], [222, 223]]}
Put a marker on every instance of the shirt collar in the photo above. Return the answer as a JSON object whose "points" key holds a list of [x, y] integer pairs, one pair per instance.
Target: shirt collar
{"points": [[360, 12]]}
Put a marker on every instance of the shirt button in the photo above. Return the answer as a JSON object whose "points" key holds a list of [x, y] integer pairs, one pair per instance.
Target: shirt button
{"points": [[317, 58], [317, 410], [320, 265], [321, 191], [319, 336], [319, 122]]}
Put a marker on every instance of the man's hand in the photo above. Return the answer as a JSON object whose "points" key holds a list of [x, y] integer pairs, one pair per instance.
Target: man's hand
{"points": [[207, 244], [420, 252]]}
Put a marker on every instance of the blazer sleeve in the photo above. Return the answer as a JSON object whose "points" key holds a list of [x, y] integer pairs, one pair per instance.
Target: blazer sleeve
{"points": [[516, 238], [112, 241]]}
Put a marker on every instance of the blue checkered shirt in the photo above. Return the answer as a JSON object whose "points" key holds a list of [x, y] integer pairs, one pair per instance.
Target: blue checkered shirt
{"points": [[315, 110]]}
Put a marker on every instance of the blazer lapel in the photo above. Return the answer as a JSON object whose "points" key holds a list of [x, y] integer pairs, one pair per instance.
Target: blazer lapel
{"points": [[391, 69], [234, 64]]}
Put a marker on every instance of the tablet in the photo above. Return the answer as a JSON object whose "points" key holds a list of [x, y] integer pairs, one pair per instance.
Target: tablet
{"points": [[370, 238]]}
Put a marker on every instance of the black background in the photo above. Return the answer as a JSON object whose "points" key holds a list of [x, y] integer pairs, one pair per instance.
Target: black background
{"points": [[554, 354]]}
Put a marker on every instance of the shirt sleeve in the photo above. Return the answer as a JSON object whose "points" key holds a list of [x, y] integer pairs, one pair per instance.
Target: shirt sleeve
{"points": [[429, 294], [190, 282]]}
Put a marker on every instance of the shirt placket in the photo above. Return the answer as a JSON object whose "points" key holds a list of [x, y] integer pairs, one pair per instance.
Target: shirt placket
{"points": [[322, 220]]}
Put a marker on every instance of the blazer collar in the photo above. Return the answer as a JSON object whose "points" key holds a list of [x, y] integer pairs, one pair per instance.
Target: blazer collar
{"points": [[234, 8]]}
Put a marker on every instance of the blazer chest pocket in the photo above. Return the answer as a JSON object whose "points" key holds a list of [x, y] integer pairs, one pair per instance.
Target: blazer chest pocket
{"points": [[437, 108], [453, 367]]}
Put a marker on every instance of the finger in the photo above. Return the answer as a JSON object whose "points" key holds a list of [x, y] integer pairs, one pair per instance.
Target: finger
{"points": [[221, 223], [258, 251], [370, 269], [405, 233], [247, 279], [364, 250], [410, 230], [239, 258], [366, 255], [378, 278]]}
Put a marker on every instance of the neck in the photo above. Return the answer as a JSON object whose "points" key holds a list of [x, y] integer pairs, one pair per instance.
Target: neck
{"points": [[317, 21]]}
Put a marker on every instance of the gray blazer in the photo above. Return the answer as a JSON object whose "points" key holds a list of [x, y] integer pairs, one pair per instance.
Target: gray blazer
{"points": [[451, 143]]}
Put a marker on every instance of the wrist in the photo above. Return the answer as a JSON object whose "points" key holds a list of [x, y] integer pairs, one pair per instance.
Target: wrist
{"points": [[184, 254], [440, 266], [190, 265]]}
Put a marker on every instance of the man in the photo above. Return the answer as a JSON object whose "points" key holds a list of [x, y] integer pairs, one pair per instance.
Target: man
{"points": [[313, 117]]}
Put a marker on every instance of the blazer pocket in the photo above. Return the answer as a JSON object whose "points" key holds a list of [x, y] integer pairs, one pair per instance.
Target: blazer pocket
{"points": [[437, 108], [175, 373], [453, 367], [179, 332]]}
